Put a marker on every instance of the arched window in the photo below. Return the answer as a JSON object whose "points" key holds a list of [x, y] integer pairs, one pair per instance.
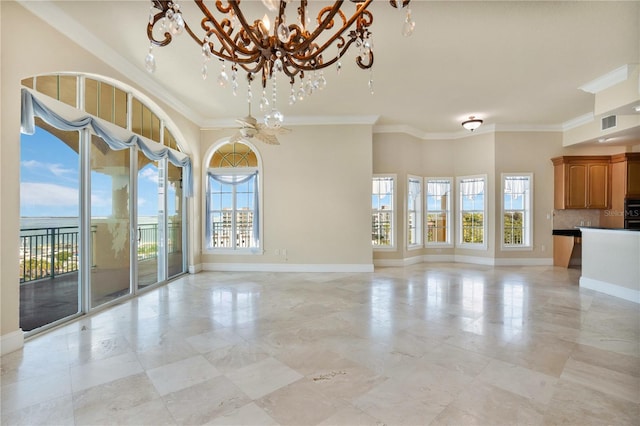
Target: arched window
{"points": [[233, 198], [108, 101], [130, 179]]}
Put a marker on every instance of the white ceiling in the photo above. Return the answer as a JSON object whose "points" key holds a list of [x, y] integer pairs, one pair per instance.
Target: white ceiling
{"points": [[514, 64]]}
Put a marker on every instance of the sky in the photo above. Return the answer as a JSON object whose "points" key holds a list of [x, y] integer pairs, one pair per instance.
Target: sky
{"points": [[49, 181]]}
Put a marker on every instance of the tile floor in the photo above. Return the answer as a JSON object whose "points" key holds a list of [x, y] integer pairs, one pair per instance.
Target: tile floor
{"points": [[427, 344]]}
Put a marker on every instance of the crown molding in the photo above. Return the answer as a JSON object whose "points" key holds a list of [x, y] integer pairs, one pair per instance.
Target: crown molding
{"points": [[301, 120], [607, 80], [529, 128], [399, 128], [66, 25], [484, 129], [578, 121]]}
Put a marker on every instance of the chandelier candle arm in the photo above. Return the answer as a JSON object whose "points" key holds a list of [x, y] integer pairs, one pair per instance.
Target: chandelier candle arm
{"points": [[259, 47]]}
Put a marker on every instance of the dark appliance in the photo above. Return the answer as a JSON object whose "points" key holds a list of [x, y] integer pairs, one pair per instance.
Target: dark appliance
{"points": [[631, 213]]}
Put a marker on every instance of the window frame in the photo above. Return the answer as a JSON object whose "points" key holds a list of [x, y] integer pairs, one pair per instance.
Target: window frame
{"points": [[528, 214], [449, 228], [485, 219], [418, 213], [394, 180]]}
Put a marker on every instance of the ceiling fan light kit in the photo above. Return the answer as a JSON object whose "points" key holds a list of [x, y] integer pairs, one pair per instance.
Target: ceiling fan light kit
{"points": [[291, 46]]}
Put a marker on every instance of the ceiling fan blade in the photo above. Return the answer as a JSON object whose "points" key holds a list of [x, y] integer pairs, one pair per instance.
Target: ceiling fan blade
{"points": [[271, 131], [267, 138]]}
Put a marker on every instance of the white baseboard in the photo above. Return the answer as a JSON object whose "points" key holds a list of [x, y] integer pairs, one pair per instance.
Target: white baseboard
{"points": [[476, 260], [11, 342], [194, 269], [398, 263], [438, 258], [611, 289], [286, 267], [524, 261], [490, 261]]}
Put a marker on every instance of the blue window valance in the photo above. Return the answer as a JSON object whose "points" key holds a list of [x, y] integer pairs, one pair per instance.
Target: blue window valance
{"points": [[117, 139]]}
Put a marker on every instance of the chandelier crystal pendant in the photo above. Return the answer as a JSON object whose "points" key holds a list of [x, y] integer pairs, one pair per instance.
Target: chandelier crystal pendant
{"points": [[290, 46]]}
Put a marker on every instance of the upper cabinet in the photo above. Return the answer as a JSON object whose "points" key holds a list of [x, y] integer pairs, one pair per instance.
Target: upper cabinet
{"points": [[633, 175], [625, 175], [581, 182]]}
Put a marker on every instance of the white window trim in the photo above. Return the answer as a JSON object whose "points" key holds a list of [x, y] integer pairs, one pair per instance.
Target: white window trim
{"points": [[419, 214], [394, 219], [529, 212], [205, 176], [485, 221], [450, 229]]}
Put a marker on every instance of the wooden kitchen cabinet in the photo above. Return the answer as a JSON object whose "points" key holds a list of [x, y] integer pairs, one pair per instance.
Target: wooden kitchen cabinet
{"points": [[581, 182], [625, 175], [625, 183], [632, 175]]}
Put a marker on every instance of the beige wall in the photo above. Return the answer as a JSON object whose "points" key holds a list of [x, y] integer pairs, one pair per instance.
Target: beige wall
{"points": [[316, 191], [36, 48], [489, 154], [529, 153], [399, 154], [475, 155]]}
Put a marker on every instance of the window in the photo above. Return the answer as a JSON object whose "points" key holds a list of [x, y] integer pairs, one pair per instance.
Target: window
{"points": [[414, 211], [96, 186], [233, 199], [382, 220], [472, 208], [438, 215], [516, 210]]}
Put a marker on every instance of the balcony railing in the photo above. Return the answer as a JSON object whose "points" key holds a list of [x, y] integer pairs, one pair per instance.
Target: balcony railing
{"points": [[49, 252]]}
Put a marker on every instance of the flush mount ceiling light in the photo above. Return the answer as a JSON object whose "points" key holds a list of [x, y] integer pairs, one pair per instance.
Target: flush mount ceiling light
{"points": [[293, 45], [472, 123]]}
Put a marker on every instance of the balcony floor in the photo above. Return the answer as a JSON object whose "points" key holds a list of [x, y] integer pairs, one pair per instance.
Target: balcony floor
{"points": [[50, 299]]}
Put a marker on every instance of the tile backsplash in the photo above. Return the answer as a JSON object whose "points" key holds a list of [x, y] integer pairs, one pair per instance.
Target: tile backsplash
{"points": [[570, 218]]}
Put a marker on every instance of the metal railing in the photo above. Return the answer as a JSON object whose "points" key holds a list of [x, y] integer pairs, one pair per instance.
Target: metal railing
{"points": [[47, 252], [52, 251]]}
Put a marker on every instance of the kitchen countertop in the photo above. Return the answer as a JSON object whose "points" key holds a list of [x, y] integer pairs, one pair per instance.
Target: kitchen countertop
{"points": [[568, 232], [598, 228]]}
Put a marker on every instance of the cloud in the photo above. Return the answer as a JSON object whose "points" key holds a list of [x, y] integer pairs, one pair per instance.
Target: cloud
{"points": [[47, 194], [56, 169], [59, 170], [31, 164], [149, 174]]}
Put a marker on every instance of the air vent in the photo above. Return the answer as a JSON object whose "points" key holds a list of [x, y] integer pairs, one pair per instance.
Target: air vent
{"points": [[608, 122]]}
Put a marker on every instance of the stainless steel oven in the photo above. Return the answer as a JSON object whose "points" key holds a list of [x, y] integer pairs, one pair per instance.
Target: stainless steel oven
{"points": [[631, 213]]}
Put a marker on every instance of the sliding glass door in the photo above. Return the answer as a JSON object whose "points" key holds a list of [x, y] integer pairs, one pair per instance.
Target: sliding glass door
{"points": [[150, 222], [175, 227], [49, 226], [110, 252]]}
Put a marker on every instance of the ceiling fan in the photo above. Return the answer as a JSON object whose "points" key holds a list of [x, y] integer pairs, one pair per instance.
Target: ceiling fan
{"points": [[251, 129]]}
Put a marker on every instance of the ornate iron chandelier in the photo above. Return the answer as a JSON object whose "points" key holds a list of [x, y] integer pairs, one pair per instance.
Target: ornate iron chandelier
{"points": [[291, 47]]}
